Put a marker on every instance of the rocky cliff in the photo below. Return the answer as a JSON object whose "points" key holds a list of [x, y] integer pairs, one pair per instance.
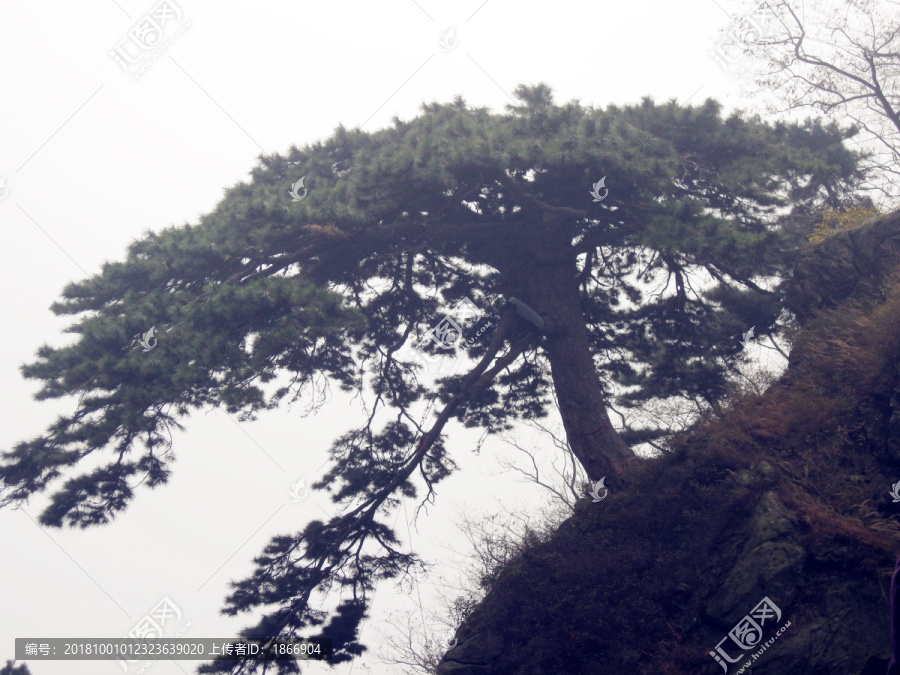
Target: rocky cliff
{"points": [[762, 542]]}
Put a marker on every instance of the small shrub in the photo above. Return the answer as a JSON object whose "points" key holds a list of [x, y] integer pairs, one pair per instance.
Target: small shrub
{"points": [[836, 221]]}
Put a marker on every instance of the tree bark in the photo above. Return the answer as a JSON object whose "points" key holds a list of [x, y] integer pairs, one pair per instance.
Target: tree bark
{"points": [[552, 291]]}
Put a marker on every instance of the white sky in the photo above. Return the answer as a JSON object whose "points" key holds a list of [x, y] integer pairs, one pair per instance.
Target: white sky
{"points": [[93, 159]]}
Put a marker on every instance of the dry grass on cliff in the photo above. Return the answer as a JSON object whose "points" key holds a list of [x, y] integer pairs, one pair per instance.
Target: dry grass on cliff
{"points": [[609, 585], [824, 423]]}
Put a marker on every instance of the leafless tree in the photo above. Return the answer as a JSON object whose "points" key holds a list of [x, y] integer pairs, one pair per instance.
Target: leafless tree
{"points": [[414, 646], [418, 640], [562, 476], [838, 57]]}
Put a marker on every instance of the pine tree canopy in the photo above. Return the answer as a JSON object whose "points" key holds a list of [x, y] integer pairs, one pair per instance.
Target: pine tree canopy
{"points": [[627, 292]]}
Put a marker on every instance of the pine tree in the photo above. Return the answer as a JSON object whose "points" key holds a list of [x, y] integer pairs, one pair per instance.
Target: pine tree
{"points": [[585, 234]]}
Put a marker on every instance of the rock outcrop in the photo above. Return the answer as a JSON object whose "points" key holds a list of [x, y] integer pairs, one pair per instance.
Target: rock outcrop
{"points": [[850, 265], [780, 504]]}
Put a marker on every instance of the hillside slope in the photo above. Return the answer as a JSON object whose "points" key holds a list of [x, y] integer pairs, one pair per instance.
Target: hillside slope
{"points": [[784, 497]]}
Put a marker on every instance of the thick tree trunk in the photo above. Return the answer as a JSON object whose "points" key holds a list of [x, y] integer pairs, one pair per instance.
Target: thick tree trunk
{"points": [[552, 291]]}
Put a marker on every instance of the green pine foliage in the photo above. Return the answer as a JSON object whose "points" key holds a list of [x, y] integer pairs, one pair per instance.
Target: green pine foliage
{"points": [[265, 300], [12, 669]]}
